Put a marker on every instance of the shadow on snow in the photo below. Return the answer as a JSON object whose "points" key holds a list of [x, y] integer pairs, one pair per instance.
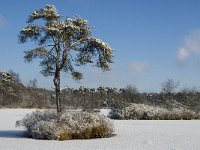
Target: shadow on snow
{"points": [[11, 134]]}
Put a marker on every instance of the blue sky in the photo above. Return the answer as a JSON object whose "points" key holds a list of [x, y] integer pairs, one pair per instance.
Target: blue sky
{"points": [[152, 41]]}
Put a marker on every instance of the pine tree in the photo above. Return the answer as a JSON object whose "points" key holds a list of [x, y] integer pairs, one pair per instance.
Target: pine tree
{"points": [[62, 45]]}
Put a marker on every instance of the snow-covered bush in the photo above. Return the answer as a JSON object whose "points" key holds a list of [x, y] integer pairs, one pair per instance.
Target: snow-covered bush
{"points": [[67, 125], [146, 112], [183, 113]]}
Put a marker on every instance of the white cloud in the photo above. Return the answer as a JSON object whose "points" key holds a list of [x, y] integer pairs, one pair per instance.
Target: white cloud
{"points": [[190, 46], [183, 54], [138, 67]]}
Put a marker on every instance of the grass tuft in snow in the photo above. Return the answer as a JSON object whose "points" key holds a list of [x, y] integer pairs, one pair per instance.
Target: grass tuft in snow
{"points": [[66, 126]]}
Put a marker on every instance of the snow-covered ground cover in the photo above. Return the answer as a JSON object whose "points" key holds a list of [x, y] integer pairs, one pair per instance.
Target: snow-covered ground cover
{"points": [[130, 134]]}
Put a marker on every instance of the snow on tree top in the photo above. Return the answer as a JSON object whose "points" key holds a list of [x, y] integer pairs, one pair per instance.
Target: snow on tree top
{"points": [[5, 77]]}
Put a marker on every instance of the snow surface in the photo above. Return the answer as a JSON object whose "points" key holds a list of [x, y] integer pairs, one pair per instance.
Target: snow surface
{"points": [[130, 135]]}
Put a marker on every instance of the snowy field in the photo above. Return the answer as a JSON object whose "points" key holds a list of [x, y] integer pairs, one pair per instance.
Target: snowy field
{"points": [[130, 135]]}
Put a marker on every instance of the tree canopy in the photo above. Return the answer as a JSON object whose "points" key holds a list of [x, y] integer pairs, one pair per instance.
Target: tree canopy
{"points": [[63, 36]]}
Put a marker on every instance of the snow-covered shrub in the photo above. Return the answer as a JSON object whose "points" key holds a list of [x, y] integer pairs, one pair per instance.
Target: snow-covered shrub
{"points": [[39, 124], [182, 113], [67, 125], [146, 112]]}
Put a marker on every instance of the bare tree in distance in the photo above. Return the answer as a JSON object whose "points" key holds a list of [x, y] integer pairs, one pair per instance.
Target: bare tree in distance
{"points": [[132, 89], [62, 45], [32, 83], [169, 86]]}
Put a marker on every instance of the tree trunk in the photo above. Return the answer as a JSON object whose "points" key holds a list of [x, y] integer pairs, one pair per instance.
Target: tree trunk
{"points": [[56, 81]]}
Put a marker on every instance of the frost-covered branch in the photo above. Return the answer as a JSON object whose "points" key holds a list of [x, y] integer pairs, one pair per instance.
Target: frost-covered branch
{"points": [[39, 52]]}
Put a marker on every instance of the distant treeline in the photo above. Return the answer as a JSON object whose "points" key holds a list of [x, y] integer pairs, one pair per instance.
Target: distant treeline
{"points": [[118, 98], [14, 94]]}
